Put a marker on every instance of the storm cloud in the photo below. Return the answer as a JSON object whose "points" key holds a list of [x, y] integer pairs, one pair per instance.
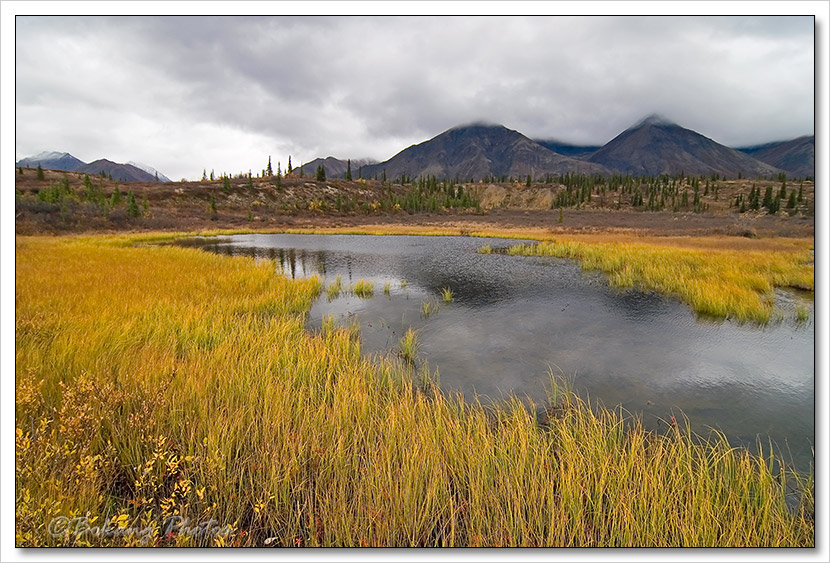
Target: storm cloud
{"points": [[184, 94]]}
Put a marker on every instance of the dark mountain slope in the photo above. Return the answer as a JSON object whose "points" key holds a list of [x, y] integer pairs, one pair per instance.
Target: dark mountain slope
{"points": [[796, 157], [120, 172], [480, 151], [52, 161], [657, 146]]}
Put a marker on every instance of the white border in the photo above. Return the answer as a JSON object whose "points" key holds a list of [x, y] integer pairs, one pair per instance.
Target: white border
{"points": [[8, 11]]}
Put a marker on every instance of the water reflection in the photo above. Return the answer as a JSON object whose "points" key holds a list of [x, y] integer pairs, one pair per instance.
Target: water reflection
{"points": [[514, 319]]}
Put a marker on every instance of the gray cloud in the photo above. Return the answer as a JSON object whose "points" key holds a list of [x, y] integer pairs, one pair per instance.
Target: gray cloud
{"points": [[187, 93]]}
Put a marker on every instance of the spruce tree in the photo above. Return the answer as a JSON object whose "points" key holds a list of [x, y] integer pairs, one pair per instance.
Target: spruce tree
{"points": [[348, 175], [321, 173], [288, 171], [527, 183], [792, 201], [269, 171], [132, 206], [39, 172], [768, 199]]}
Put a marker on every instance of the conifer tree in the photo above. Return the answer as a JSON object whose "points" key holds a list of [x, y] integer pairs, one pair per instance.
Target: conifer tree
{"points": [[792, 201], [39, 172], [348, 175], [132, 206], [321, 173], [269, 171]]}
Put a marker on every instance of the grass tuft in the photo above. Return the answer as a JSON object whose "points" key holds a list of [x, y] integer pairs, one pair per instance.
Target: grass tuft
{"points": [[364, 289]]}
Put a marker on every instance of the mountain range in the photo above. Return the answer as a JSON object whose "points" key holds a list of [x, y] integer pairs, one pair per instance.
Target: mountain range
{"points": [[797, 156], [652, 146], [130, 172], [477, 151]]}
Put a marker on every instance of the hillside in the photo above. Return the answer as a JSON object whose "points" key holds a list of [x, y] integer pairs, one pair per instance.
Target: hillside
{"points": [[480, 151], [797, 157], [334, 167], [52, 160], [656, 146], [131, 172]]}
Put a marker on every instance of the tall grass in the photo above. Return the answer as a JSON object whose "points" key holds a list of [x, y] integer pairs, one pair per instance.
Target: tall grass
{"points": [[334, 288], [447, 295], [159, 382], [364, 288], [721, 282]]}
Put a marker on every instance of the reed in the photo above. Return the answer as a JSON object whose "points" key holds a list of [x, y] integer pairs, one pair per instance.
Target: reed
{"points": [[408, 346], [334, 288], [387, 288], [155, 382], [428, 308], [364, 289], [447, 295], [719, 282]]}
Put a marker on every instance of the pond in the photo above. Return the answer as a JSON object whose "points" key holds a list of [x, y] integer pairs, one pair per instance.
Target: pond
{"points": [[515, 319]]}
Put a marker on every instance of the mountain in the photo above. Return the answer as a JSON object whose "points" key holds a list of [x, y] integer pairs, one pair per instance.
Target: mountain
{"points": [[656, 146], [479, 151], [131, 172], [335, 168], [567, 149], [52, 161], [120, 172], [150, 170], [796, 157]]}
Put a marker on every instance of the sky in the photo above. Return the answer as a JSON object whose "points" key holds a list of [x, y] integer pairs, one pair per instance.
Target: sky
{"points": [[183, 94]]}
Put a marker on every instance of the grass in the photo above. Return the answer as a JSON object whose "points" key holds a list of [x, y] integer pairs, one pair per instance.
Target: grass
{"points": [[364, 289], [802, 313], [408, 346], [334, 288], [387, 288], [428, 308], [198, 393], [447, 295], [718, 282], [485, 249]]}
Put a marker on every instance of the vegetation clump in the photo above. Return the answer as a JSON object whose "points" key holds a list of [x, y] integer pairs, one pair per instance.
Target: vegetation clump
{"points": [[719, 282], [364, 288]]}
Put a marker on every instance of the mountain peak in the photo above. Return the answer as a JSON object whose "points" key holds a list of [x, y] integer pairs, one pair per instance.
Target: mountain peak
{"points": [[477, 125], [655, 119]]}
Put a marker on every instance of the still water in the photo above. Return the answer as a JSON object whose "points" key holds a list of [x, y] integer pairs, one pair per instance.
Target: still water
{"points": [[515, 319]]}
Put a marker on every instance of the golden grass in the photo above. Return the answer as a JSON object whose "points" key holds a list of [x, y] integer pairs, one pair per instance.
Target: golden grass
{"points": [[721, 282], [719, 276], [168, 382]]}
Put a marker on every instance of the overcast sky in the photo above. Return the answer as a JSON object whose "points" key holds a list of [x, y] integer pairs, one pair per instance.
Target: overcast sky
{"points": [[183, 94]]}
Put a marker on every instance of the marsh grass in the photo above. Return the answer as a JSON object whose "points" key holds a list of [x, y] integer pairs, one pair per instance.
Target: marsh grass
{"points": [[334, 288], [428, 308], [160, 381], [408, 346], [802, 313], [364, 289], [387, 288], [485, 249], [717, 282], [447, 295]]}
